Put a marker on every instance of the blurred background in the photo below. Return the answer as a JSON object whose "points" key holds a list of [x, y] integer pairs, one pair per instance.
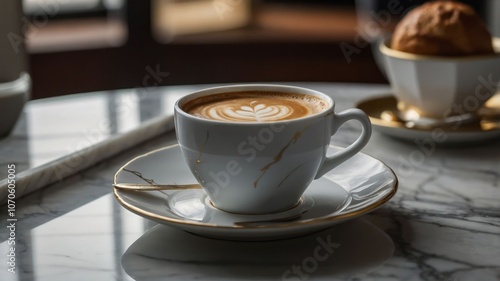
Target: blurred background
{"points": [[77, 46]]}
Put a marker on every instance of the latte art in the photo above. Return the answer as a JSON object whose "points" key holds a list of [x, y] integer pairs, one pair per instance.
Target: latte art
{"points": [[255, 106], [255, 111]]}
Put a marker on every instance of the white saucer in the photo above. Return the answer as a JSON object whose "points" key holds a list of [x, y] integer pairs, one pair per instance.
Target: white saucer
{"points": [[481, 129], [358, 186], [194, 205]]}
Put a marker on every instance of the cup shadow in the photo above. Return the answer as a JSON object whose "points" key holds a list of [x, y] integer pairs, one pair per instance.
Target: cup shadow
{"points": [[354, 247]]}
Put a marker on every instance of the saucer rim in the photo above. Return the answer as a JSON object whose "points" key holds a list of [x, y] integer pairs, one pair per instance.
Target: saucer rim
{"points": [[366, 104], [273, 225]]}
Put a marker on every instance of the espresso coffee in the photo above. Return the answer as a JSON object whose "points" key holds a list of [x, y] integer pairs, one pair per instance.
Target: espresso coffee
{"points": [[255, 106]]}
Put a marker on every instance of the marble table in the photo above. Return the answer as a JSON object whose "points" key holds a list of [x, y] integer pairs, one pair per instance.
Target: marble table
{"points": [[443, 223]]}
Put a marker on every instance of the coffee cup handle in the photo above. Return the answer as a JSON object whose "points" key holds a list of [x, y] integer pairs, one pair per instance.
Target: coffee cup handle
{"points": [[338, 120]]}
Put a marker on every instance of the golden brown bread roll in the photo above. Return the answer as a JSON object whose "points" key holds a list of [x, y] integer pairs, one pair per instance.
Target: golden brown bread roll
{"points": [[442, 28]]}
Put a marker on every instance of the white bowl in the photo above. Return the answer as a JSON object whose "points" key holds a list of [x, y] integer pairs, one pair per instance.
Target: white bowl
{"points": [[438, 86], [13, 96]]}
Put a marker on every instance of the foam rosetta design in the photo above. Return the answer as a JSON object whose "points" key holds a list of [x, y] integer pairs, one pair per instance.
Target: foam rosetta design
{"points": [[255, 111], [254, 106]]}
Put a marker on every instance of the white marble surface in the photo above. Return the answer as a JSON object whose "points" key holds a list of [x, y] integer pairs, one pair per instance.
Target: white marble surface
{"points": [[58, 137], [443, 224]]}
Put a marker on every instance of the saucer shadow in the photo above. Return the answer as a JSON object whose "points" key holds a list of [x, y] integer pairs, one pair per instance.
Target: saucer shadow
{"points": [[354, 247]]}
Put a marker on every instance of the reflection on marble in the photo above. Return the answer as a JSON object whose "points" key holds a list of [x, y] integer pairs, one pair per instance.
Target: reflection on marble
{"points": [[57, 137], [52, 252], [75, 229], [355, 247], [444, 222]]}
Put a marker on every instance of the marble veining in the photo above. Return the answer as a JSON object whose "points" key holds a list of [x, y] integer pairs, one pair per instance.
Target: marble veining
{"points": [[443, 224]]}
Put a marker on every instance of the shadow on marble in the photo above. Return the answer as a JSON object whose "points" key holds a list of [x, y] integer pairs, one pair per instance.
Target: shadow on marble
{"points": [[351, 248]]}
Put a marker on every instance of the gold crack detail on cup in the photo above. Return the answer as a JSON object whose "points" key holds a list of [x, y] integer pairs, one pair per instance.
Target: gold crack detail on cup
{"points": [[278, 157], [139, 174], [289, 174], [198, 160]]}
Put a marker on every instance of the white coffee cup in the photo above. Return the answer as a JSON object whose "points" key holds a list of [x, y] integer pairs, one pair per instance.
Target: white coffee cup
{"points": [[262, 167], [438, 87]]}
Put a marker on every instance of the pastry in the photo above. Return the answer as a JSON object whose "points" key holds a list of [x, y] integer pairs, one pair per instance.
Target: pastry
{"points": [[442, 28]]}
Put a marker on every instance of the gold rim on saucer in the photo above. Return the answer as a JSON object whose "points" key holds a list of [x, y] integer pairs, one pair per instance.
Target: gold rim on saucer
{"points": [[120, 194], [379, 110]]}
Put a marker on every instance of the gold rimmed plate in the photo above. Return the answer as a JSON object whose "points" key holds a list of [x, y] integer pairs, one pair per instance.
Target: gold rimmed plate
{"points": [[340, 195], [382, 111]]}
